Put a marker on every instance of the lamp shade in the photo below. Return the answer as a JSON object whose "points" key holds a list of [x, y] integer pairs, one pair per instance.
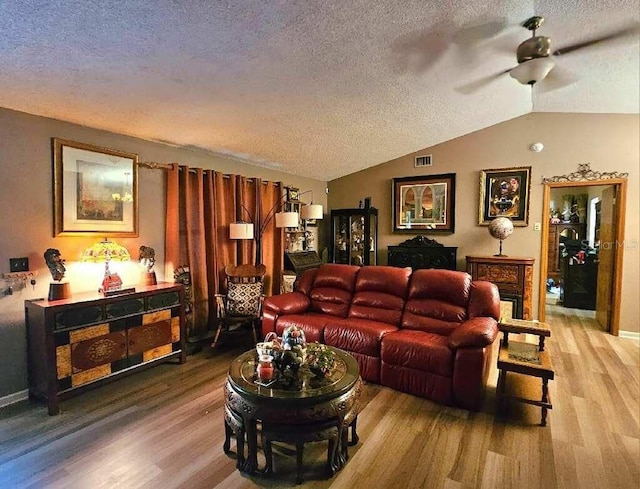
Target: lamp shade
{"points": [[241, 230], [105, 251], [287, 220], [311, 211], [532, 71]]}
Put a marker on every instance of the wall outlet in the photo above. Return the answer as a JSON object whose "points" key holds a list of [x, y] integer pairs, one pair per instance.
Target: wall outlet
{"points": [[537, 226]]}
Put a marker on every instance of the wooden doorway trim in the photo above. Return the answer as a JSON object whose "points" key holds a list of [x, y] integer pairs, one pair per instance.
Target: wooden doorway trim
{"points": [[585, 177]]}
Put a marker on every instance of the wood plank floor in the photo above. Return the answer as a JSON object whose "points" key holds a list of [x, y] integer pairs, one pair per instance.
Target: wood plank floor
{"points": [[162, 428]]}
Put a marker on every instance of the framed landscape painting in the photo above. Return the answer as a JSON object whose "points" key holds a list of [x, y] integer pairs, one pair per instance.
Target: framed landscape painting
{"points": [[424, 203], [95, 190], [504, 192]]}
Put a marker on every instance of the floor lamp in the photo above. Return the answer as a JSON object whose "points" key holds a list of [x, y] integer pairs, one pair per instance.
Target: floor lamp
{"points": [[284, 219]]}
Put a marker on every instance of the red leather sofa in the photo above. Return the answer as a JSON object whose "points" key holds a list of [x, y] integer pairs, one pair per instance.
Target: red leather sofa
{"points": [[427, 333]]}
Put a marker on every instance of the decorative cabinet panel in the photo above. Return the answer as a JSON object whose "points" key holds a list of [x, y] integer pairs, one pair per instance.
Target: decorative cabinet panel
{"points": [[78, 342], [422, 252], [514, 278], [354, 236]]}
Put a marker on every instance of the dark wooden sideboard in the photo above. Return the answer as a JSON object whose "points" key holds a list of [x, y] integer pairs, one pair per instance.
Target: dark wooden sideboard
{"points": [[88, 339], [422, 252], [513, 276]]}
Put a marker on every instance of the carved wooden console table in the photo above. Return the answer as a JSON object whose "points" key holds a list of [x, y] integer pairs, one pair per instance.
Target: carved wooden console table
{"points": [[513, 276], [422, 252], [322, 410]]}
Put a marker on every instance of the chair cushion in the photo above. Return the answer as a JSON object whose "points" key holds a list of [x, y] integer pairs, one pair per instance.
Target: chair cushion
{"points": [[243, 299]]}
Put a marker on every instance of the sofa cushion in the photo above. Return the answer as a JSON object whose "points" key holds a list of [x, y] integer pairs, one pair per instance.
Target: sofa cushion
{"points": [[418, 350], [332, 290], [437, 301], [444, 285], [380, 294], [311, 323], [390, 280], [432, 316], [356, 335]]}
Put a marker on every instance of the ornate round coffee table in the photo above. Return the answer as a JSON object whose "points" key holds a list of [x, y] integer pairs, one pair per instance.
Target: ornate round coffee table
{"points": [[319, 408]]}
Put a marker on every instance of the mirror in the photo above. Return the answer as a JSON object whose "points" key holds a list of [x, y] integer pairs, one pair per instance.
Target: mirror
{"points": [[569, 233]]}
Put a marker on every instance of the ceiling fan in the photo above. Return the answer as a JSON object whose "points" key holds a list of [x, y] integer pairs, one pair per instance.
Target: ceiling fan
{"points": [[536, 60]]}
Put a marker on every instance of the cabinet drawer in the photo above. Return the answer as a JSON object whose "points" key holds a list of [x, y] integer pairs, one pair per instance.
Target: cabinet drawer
{"points": [[149, 336], [78, 316], [504, 274], [101, 350], [125, 308], [163, 301]]}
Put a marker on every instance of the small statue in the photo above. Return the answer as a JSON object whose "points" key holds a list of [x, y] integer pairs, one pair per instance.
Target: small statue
{"points": [[55, 264], [147, 257], [574, 217]]}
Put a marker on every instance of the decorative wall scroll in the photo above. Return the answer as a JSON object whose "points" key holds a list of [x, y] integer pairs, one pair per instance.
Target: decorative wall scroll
{"points": [[585, 173]]}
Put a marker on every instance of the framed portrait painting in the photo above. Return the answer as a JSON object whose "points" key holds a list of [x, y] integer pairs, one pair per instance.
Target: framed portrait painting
{"points": [[504, 192], [95, 190], [424, 203]]}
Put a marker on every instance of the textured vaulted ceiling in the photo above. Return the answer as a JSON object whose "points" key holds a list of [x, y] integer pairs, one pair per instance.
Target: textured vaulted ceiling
{"points": [[318, 88]]}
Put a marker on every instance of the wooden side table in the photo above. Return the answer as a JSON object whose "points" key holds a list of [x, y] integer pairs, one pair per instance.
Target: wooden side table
{"points": [[512, 275], [524, 358]]}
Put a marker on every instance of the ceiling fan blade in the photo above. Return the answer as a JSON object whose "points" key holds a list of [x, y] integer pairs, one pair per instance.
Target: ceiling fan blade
{"points": [[557, 78], [620, 33], [474, 86], [417, 52], [474, 34]]}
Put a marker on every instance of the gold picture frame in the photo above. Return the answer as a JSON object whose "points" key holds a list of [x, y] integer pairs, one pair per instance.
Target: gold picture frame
{"points": [[95, 190], [505, 192], [424, 203]]}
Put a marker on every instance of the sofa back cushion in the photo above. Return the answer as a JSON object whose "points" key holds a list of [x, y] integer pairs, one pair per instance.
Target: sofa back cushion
{"points": [[380, 294], [332, 290], [437, 301]]}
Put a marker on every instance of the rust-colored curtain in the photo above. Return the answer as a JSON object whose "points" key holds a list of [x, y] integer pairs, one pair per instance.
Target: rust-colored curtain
{"points": [[200, 206], [270, 197]]}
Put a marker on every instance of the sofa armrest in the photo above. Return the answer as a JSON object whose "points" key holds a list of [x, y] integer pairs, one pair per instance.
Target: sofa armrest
{"points": [[290, 303], [476, 332], [278, 305]]}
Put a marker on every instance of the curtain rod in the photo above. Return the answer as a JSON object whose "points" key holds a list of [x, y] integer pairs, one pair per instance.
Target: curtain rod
{"points": [[152, 165]]}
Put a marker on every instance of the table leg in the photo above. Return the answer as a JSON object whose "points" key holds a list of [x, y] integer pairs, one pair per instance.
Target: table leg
{"points": [[299, 455], [332, 454], [354, 434], [251, 463], [500, 391], [545, 399]]}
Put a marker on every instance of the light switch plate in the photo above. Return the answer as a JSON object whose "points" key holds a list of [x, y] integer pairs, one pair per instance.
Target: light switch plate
{"points": [[19, 264], [537, 226]]}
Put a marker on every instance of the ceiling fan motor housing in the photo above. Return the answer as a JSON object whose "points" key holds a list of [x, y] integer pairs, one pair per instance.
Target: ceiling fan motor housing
{"points": [[534, 47]]}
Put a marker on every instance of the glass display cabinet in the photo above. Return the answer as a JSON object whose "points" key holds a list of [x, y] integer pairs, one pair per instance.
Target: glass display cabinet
{"points": [[354, 236]]}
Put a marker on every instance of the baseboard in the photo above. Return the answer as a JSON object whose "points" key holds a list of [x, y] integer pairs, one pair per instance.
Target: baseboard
{"points": [[13, 398], [630, 335]]}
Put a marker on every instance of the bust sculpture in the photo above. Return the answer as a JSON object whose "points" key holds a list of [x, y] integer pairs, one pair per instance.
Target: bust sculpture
{"points": [[55, 264]]}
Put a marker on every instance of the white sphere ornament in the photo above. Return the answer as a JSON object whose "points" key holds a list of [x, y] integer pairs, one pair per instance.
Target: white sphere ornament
{"points": [[501, 228]]}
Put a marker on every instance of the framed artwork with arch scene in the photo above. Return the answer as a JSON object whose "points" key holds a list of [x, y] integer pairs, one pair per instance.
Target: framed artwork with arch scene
{"points": [[424, 203]]}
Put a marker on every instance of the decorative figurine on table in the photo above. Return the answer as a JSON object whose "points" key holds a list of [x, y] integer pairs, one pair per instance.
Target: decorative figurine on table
{"points": [[147, 258], [57, 289], [320, 359]]}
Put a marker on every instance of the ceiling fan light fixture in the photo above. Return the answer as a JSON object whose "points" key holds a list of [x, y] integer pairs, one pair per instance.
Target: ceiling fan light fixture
{"points": [[532, 71]]}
